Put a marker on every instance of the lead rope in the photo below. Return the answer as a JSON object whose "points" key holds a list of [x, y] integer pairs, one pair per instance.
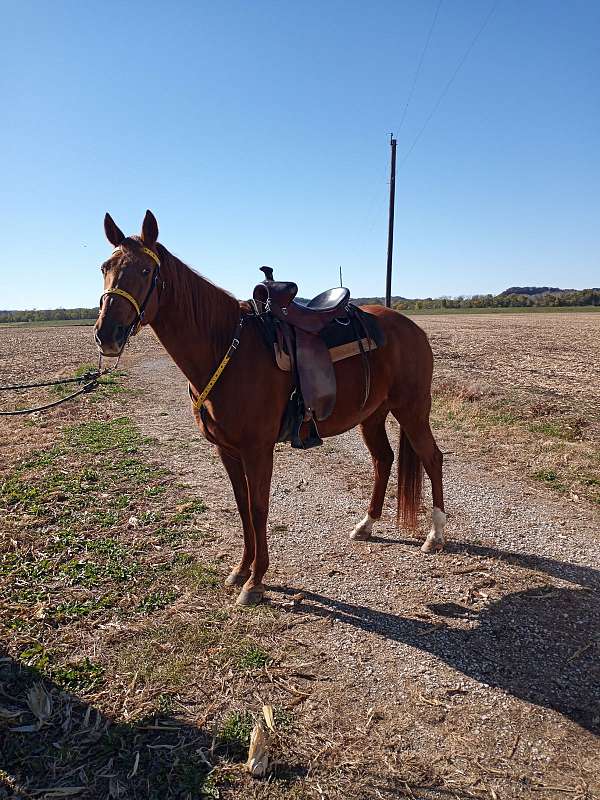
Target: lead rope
{"points": [[91, 380]]}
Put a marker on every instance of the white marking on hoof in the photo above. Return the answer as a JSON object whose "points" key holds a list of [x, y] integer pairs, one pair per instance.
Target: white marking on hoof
{"points": [[363, 530], [236, 578], [435, 538], [251, 597]]}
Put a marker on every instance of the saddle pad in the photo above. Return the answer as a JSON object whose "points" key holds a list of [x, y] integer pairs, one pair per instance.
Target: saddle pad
{"points": [[337, 333], [338, 353]]}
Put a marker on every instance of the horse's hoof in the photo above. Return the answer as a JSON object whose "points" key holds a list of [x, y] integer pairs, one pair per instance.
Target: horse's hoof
{"points": [[362, 532], [360, 535], [251, 597], [432, 546], [236, 578]]}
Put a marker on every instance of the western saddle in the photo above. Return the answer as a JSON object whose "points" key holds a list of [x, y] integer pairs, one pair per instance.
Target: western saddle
{"points": [[299, 331]]}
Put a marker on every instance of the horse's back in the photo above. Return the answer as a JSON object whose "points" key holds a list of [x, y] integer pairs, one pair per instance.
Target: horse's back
{"points": [[403, 337]]}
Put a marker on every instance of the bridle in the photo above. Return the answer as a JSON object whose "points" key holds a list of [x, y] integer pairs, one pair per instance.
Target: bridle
{"points": [[139, 309], [197, 401]]}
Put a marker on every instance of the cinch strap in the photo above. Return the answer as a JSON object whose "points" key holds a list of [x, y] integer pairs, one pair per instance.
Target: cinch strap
{"points": [[199, 401]]}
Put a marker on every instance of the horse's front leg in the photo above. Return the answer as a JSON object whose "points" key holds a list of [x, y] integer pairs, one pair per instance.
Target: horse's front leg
{"points": [[258, 466], [233, 464]]}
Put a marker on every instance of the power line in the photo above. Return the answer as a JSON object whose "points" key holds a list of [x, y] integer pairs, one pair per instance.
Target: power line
{"points": [[451, 80], [370, 217], [420, 64]]}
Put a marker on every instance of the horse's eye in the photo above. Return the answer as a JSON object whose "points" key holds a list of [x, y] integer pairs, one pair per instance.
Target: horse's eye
{"points": [[146, 271]]}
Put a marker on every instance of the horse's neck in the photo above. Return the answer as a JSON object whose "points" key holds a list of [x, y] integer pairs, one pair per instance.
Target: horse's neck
{"points": [[195, 322]]}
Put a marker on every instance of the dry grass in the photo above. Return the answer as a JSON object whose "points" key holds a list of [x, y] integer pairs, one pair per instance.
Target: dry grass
{"points": [[524, 392]]}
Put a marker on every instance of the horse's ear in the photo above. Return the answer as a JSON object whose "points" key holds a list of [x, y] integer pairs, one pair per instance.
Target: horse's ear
{"points": [[113, 233], [149, 229]]}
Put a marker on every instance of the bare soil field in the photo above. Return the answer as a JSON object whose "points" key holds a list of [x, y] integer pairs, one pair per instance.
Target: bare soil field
{"points": [[126, 670]]}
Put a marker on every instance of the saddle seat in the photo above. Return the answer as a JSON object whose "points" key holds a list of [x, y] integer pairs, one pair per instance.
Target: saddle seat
{"points": [[332, 299], [278, 298]]}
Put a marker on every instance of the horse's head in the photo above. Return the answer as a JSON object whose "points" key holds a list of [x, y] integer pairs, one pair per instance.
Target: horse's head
{"points": [[131, 276]]}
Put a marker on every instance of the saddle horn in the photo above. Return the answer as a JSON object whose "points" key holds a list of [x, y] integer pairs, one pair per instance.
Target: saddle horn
{"points": [[268, 271]]}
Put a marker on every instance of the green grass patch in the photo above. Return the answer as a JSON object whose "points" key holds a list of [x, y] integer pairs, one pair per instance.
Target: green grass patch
{"points": [[81, 676], [187, 511], [588, 480], [497, 417], [99, 436], [554, 429], [196, 575], [76, 609], [235, 730], [252, 656], [154, 601], [166, 655], [110, 383], [76, 563], [550, 478]]}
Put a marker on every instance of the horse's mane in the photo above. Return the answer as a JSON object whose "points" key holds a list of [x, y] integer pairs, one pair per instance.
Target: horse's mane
{"points": [[201, 304]]}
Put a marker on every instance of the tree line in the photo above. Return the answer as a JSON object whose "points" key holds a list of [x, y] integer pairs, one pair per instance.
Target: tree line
{"points": [[583, 297], [48, 314]]}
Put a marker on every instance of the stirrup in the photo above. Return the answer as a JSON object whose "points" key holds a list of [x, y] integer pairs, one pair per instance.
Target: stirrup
{"points": [[312, 440]]}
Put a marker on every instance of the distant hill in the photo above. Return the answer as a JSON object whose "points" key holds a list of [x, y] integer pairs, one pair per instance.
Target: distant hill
{"points": [[533, 290], [379, 301]]}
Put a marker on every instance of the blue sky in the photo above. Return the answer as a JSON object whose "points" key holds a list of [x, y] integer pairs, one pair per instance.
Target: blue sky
{"points": [[258, 132]]}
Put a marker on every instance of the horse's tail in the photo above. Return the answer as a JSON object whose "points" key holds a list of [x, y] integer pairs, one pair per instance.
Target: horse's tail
{"points": [[410, 483]]}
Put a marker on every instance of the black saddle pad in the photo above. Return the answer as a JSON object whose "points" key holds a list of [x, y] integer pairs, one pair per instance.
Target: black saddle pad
{"points": [[347, 330]]}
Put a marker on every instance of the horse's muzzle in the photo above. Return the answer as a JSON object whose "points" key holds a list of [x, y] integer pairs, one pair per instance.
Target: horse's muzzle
{"points": [[110, 339]]}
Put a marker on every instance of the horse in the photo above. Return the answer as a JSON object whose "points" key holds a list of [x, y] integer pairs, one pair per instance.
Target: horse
{"points": [[198, 324]]}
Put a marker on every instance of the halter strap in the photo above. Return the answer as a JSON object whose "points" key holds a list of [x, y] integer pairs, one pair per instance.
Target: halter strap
{"points": [[127, 296], [146, 250]]}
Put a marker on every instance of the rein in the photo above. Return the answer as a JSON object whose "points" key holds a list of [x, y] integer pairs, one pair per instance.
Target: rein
{"points": [[198, 402]]}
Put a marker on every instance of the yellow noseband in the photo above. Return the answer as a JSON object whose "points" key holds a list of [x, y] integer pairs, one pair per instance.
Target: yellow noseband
{"points": [[127, 296]]}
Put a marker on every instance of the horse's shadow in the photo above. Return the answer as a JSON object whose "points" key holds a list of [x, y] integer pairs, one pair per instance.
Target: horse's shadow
{"points": [[541, 645]]}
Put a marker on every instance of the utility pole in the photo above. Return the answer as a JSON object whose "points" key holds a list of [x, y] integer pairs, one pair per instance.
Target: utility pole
{"points": [[390, 248]]}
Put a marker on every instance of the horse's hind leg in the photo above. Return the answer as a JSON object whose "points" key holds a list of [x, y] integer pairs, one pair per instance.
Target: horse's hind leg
{"points": [[376, 439], [423, 443], [237, 476]]}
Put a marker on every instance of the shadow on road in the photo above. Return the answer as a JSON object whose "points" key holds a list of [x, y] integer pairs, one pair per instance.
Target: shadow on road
{"points": [[541, 645]]}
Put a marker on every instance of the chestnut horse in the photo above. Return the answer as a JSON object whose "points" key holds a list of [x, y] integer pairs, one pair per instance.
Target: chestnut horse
{"points": [[145, 284]]}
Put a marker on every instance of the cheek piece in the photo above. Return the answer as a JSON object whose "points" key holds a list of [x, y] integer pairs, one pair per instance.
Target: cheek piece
{"points": [[139, 309]]}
